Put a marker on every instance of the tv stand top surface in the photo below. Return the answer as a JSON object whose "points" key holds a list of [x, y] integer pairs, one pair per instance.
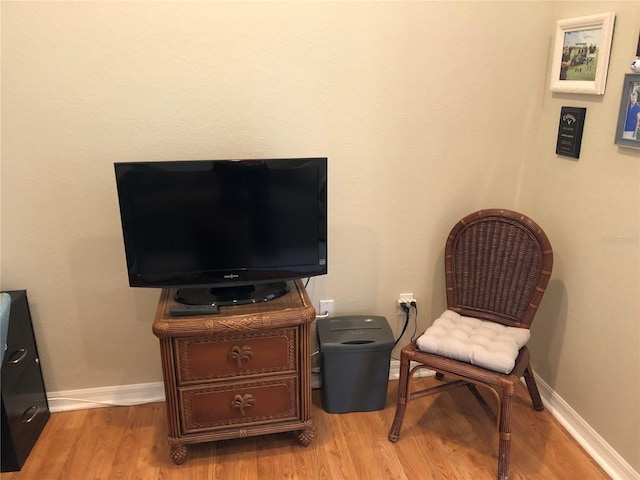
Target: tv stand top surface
{"points": [[290, 309]]}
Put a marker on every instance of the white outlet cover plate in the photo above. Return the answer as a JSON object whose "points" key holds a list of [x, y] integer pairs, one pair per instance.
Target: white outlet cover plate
{"points": [[326, 307]]}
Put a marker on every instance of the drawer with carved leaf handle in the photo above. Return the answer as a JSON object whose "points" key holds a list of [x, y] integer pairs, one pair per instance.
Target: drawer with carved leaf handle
{"points": [[239, 404], [266, 352]]}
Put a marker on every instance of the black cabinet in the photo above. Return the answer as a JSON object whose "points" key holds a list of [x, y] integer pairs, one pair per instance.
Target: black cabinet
{"points": [[25, 410]]}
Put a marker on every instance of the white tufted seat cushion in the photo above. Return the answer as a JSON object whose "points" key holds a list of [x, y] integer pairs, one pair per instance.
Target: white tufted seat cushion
{"points": [[479, 342]]}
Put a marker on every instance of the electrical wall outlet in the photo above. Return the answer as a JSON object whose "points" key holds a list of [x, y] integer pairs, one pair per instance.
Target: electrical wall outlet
{"points": [[405, 298], [326, 308]]}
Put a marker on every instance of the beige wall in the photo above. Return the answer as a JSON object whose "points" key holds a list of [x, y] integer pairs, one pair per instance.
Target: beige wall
{"points": [[426, 110], [587, 338]]}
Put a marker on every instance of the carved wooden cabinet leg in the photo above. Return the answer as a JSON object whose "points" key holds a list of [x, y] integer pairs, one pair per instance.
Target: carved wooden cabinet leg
{"points": [[179, 454], [306, 436]]}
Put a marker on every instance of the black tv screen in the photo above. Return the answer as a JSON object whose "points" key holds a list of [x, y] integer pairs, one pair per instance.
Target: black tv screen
{"points": [[210, 225]]}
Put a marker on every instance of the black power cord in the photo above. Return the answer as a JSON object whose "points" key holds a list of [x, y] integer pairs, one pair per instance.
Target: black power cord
{"points": [[414, 304], [406, 310]]}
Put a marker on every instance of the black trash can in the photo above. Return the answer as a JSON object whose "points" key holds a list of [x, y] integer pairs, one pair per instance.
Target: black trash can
{"points": [[355, 352]]}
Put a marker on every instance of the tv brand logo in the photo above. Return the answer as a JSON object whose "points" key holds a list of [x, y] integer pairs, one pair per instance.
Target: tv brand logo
{"points": [[231, 276]]}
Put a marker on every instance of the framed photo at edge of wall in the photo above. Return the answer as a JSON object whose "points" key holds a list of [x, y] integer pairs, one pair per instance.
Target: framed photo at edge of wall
{"points": [[628, 130], [581, 54]]}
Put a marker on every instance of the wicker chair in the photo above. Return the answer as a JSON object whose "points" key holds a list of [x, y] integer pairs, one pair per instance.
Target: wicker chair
{"points": [[497, 266]]}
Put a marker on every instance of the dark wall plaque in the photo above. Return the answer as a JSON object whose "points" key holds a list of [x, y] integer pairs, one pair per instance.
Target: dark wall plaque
{"points": [[570, 131]]}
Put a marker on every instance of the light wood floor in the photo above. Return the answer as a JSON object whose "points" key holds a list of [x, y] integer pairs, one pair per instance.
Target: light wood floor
{"points": [[437, 442]]}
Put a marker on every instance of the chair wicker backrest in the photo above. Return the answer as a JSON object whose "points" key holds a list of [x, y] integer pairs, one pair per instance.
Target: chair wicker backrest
{"points": [[497, 267]]}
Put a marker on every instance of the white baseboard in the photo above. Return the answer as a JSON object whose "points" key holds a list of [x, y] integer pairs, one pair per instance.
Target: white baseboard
{"points": [[118, 395], [394, 371], [124, 395]]}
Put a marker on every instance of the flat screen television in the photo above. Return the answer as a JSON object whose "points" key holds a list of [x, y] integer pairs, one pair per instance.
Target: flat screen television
{"points": [[223, 232]]}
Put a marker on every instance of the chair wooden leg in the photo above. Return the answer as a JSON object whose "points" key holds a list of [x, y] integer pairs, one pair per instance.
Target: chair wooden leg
{"points": [[505, 435], [403, 399], [533, 389]]}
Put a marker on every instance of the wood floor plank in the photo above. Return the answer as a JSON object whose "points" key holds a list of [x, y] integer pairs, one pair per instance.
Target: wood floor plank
{"points": [[444, 437], [331, 443]]}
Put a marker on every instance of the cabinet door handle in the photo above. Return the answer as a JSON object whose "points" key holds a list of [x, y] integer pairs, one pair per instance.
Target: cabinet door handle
{"points": [[29, 414], [18, 355], [240, 354], [241, 402]]}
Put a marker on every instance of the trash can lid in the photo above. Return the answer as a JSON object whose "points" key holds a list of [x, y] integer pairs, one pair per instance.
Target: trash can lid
{"points": [[354, 332]]}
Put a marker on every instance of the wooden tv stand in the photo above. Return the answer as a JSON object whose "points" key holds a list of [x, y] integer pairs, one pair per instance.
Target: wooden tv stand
{"points": [[243, 372]]}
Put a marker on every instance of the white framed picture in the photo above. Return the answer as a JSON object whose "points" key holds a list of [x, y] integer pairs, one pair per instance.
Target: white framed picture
{"points": [[581, 54]]}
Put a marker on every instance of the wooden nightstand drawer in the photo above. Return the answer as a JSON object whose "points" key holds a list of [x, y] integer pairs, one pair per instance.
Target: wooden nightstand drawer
{"points": [[238, 404], [266, 352]]}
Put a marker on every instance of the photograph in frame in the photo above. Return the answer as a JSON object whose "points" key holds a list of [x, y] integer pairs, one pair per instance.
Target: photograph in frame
{"points": [[628, 129], [581, 54]]}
